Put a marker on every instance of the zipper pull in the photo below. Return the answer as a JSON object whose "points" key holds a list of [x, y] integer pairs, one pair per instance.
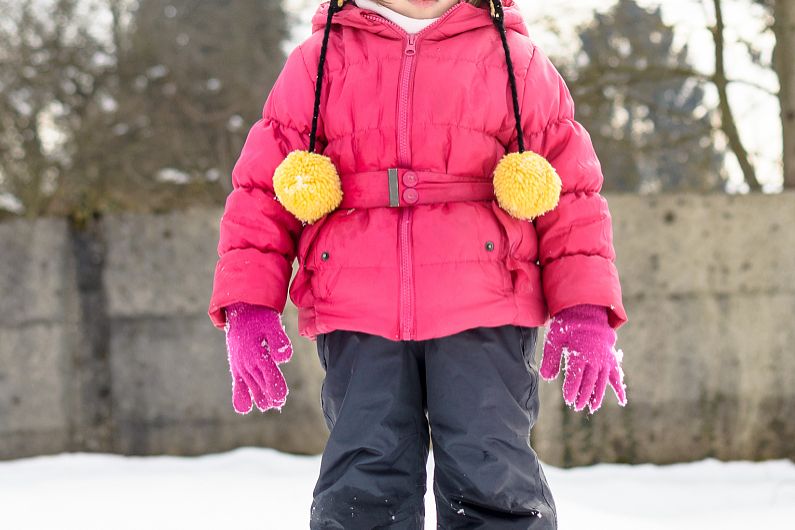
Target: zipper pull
{"points": [[410, 45]]}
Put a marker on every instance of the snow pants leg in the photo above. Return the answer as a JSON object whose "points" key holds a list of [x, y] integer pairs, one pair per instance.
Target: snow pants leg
{"points": [[474, 393], [482, 404], [372, 472]]}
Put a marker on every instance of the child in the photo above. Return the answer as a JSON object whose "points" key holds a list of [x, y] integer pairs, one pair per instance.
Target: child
{"points": [[454, 208]]}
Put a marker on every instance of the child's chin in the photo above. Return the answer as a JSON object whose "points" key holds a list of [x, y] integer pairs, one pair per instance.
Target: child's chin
{"points": [[424, 3]]}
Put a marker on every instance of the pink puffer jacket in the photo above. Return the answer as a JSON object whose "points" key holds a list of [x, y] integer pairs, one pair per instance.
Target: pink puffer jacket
{"points": [[437, 106]]}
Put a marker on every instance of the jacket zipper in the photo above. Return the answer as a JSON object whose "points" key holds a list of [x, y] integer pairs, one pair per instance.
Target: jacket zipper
{"points": [[406, 307], [406, 273]]}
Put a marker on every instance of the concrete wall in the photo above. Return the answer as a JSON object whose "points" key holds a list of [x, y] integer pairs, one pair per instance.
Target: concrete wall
{"points": [[709, 348], [37, 336], [105, 344]]}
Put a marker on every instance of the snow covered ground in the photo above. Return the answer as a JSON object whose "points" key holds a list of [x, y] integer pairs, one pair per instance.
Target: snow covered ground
{"points": [[264, 489]]}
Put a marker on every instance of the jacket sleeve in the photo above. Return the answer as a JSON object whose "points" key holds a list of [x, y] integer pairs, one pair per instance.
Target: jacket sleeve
{"points": [[575, 240], [259, 237]]}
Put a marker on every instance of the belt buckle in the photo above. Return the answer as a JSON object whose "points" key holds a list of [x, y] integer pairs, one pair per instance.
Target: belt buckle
{"points": [[392, 177]]}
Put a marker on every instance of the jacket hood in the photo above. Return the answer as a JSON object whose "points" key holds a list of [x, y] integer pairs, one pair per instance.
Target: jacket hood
{"points": [[459, 18]]}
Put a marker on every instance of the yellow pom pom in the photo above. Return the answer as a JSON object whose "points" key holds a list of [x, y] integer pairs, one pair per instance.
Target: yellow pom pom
{"points": [[526, 185], [307, 185]]}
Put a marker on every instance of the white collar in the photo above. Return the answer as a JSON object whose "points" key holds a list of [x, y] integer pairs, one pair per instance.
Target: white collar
{"points": [[409, 25]]}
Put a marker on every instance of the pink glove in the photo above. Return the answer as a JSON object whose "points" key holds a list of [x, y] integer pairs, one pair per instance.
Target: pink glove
{"points": [[582, 335], [256, 341]]}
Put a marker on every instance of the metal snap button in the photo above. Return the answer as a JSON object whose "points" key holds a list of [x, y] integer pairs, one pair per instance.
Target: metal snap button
{"points": [[410, 178], [324, 256], [410, 195], [489, 246]]}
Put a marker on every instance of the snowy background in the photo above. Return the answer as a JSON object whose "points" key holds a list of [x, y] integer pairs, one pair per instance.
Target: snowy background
{"points": [[262, 488]]}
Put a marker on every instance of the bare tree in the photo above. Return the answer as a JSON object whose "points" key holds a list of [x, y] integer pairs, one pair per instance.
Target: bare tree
{"points": [[52, 70], [784, 61], [647, 115], [198, 71], [145, 114], [728, 122]]}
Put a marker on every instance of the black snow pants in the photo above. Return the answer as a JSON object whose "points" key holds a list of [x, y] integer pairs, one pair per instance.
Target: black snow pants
{"points": [[474, 394]]}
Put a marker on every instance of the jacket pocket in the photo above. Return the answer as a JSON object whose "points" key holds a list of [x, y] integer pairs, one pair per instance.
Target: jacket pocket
{"points": [[301, 292], [522, 252], [512, 238], [323, 281], [512, 233]]}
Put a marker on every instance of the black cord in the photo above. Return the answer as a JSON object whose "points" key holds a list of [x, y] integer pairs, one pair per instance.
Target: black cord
{"points": [[332, 8], [497, 18], [499, 21]]}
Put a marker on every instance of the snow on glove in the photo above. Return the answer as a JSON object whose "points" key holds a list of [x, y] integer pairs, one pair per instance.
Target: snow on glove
{"points": [[256, 342], [583, 337]]}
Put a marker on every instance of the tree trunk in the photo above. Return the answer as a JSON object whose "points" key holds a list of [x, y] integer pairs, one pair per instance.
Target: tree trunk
{"points": [[728, 123], [784, 56]]}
